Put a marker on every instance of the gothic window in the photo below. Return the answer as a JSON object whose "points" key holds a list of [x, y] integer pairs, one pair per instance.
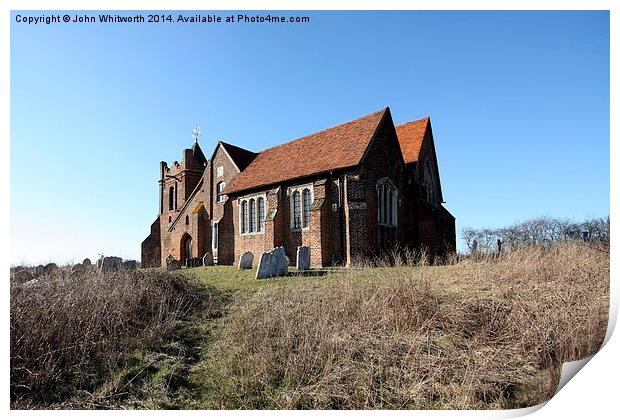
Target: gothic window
{"points": [[296, 210], [261, 213], [307, 199], [219, 188], [387, 202], [244, 216], [430, 184], [171, 198], [252, 215]]}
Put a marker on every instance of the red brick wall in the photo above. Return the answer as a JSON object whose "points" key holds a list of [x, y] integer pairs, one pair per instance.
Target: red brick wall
{"points": [[223, 211], [383, 160]]}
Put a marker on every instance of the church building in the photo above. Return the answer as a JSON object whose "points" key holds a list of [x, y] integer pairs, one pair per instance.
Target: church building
{"points": [[358, 189]]}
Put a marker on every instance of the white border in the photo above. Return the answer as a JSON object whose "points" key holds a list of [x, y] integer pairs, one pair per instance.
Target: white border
{"points": [[593, 394]]}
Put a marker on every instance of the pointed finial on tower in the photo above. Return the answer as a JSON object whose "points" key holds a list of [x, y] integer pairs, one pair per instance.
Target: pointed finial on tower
{"points": [[196, 133]]}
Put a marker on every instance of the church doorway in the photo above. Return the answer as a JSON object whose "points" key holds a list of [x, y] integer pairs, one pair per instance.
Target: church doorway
{"points": [[186, 248]]}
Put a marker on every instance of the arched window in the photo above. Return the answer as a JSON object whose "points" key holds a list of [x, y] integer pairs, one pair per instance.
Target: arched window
{"points": [[430, 183], [252, 215], [244, 216], [169, 219], [296, 210], [171, 198], [387, 202], [307, 199], [187, 219], [260, 203], [219, 188]]}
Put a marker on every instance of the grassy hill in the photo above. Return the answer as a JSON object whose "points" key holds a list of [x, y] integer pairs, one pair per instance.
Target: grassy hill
{"points": [[481, 333]]}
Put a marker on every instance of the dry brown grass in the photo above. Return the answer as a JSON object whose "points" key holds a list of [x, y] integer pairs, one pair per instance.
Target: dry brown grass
{"points": [[72, 334], [477, 334]]}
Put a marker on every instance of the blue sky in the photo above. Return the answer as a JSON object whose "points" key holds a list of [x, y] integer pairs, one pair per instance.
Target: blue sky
{"points": [[519, 103]]}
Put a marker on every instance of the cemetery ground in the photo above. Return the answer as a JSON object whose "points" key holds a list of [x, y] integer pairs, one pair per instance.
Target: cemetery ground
{"points": [[477, 333]]}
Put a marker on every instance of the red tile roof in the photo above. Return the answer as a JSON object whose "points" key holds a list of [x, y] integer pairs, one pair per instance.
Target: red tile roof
{"points": [[410, 136], [334, 148]]}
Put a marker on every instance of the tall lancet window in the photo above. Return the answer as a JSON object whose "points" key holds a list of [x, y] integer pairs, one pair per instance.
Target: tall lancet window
{"points": [[387, 202], [171, 198], [252, 215], [296, 210], [260, 203], [307, 199], [244, 216]]}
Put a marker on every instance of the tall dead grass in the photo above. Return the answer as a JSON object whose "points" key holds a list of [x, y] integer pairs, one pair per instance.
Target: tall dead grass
{"points": [[486, 334], [70, 334]]}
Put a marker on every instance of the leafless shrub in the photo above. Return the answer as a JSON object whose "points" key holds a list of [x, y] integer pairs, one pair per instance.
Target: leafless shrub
{"points": [[486, 335], [540, 231], [70, 333]]}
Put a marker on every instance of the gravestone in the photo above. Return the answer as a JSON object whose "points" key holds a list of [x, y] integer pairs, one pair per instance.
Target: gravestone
{"points": [[77, 268], [303, 258], [273, 263], [246, 260], [39, 270], [86, 263], [111, 264], [172, 264], [207, 259], [130, 265], [50, 268], [280, 260], [193, 262]]}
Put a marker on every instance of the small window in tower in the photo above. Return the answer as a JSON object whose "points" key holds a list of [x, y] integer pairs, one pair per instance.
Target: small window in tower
{"points": [[219, 188], [187, 219], [171, 198]]}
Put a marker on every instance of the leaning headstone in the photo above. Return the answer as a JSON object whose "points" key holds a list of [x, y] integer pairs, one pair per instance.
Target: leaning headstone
{"points": [[130, 265], [246, 260], [265, 268], [273, 263], [207, 260], [86, 263], [50, 268], [303, 258], [77, 268], [169, 259], [110, 264]]}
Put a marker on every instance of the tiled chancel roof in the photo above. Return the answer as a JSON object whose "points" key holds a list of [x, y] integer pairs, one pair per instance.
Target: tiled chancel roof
{"points": [[410, 136], [334, 148]]}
